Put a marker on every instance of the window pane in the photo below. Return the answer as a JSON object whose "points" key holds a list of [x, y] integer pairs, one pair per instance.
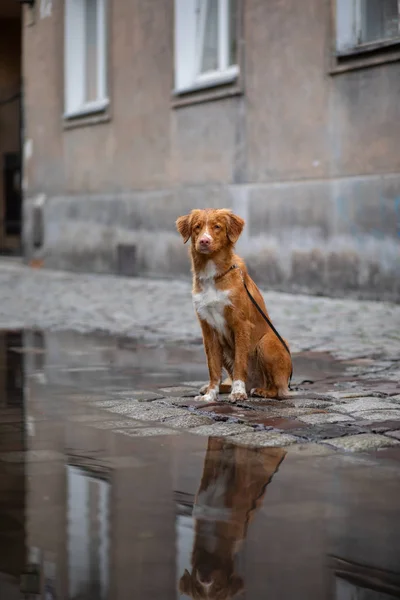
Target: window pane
{"points": [[88, 540], [91, 50], [380, 20], [232, 57], [209, 56]]}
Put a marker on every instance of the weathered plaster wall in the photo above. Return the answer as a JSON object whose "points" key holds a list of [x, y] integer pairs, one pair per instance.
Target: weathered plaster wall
{"points": [[310, 159]]}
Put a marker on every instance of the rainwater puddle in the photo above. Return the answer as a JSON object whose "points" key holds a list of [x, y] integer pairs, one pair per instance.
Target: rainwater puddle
{"points": [[98, 507]]}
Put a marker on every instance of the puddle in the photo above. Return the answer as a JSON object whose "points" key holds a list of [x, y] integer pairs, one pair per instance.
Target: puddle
{"points": [[94, 506]]}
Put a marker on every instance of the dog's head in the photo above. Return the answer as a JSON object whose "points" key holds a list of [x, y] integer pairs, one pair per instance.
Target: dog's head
{"points": [[210, 230], [218, 585]]}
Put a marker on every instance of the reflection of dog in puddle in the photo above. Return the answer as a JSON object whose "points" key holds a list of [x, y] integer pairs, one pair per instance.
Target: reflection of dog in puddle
{"points": [[231, 490]]}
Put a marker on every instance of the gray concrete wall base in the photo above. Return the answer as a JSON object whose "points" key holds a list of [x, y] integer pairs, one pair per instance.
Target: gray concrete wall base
{"points": [[339, 237]]}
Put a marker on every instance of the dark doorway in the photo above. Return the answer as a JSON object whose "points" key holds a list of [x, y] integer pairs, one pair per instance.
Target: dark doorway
{"points": [[10, 127], [12, 193]]}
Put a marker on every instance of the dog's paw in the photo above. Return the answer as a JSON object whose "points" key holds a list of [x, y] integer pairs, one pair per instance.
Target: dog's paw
{"points": [[203, 389], [237, 397], [238, 391], [210, 395], [257, 393]]}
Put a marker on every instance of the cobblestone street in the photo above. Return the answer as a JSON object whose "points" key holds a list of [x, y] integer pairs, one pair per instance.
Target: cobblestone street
{"points": [[141, 360]]}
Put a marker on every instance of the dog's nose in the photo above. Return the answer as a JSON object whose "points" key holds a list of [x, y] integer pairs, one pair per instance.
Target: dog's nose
{"points": [[204, 241]]}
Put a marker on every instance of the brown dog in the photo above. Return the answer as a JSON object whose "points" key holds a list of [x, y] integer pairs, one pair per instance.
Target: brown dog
{"points": [[232, 489], [235, 334]]}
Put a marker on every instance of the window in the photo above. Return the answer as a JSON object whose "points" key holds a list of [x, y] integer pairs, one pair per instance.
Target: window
{"points": [[205, 43], [88, 534], [85, 57], [360, 23]]}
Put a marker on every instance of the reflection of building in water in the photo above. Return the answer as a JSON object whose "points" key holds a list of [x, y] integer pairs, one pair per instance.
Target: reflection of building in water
{"points": [[12, 466], [88, 534], [78, 475], [11, 370], [100, 506], [231, 490], [353, 581]]}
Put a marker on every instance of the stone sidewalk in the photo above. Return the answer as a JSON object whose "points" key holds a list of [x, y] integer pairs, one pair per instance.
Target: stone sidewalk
{"points": [[161, 310], [353, 421], [346, 355]]}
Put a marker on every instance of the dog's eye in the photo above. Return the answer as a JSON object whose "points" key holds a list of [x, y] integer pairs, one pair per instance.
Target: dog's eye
{"points": [[217, 227], [197, 228]]}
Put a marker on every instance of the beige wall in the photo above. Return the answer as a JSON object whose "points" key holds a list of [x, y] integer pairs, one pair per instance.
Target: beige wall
{"points": [[306, 156], [300, 121]]}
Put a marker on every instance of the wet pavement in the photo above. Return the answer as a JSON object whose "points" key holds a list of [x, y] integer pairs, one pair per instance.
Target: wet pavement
{"points": [[116, 484]]}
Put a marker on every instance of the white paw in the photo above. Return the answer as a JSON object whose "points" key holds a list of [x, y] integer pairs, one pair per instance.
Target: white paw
{"points": [[237, 397], [210, 396], [238, 391]]}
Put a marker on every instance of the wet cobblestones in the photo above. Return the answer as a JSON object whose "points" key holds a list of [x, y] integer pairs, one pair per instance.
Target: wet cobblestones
{"points": [[368, 333], [346, 354]]}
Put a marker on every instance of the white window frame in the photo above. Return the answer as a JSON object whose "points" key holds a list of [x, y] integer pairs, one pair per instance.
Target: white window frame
{"points": [[74, 62], [188, 47], [349, 20]]}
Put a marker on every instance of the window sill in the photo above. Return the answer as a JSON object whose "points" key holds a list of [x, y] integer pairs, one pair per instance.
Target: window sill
{"points": [[91, 114], [369, 47], [210, 80], [84, 121], [212, 87], [365, 56], [87, 109]]}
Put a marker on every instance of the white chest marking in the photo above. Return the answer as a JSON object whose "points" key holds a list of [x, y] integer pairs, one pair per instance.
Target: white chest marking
{"points": [[210, 509], [210, 303]]}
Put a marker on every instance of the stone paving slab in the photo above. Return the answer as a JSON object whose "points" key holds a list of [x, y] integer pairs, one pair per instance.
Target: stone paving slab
{"points": [[104, 403], [363, 442], [147, 432], [265, 438], [158, 413], [368, 404], [222, 429], [312, 403], [310, 449], [188, 421], [179, 391], [127, 423], [139, 395], [375, 416], [380, 426], [316, 419]]}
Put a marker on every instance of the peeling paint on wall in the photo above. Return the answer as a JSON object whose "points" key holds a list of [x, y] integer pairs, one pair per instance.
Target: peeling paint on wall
{"points": [[28, 149], [46, 7]]}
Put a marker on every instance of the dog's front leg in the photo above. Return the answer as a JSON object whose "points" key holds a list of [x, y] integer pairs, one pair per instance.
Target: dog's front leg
{"points": [[213, 352], [242, 350]]}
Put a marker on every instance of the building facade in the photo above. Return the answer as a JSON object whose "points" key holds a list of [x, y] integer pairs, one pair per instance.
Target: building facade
{"points": [[285, 111]]}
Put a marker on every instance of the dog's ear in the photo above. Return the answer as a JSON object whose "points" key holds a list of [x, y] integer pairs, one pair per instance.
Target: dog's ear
{"points": [[234, 227], [184, 226], [185, 583]]}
